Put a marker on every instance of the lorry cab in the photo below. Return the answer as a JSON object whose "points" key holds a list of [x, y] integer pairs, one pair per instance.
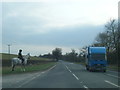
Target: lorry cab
{"points": [[96, 59]]}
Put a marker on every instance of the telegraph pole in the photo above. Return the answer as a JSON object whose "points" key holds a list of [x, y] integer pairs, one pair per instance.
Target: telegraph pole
{"points": [[9, 50]]}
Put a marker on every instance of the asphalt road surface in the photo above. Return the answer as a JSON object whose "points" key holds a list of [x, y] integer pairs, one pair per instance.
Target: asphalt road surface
{"points": [[63, 75]]}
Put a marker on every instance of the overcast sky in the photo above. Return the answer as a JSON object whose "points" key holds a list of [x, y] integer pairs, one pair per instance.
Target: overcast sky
{"points": [[39, 27]]}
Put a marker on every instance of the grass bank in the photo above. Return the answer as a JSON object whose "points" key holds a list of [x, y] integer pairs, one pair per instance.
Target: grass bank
{"points": [[6, 59], [29, 68], [34, 64]]}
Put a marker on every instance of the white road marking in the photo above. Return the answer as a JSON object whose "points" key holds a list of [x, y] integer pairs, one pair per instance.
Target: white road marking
{"points": [[81, 82], [25, 83], [85, 86], [72, 73], [43, 72], [111, 83], [51, 68], [113, 75], [68, 69], [75, 76], [36, 75]]}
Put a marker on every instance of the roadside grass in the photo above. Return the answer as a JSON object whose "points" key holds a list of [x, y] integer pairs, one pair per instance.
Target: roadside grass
{"points": [[38, 64], [28, 68], [114, 67]]}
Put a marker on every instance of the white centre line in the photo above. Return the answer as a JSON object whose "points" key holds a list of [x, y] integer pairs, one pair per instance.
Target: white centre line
{"points": [[85, 86], [72, 73], [75, 76], [111, 83], [68, 69]]}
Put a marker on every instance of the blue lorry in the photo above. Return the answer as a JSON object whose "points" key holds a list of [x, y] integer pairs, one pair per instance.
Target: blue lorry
{"points": [[96, 59]]}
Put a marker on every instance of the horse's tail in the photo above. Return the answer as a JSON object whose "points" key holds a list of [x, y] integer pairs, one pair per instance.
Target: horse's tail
{"points": [[12, 64]]}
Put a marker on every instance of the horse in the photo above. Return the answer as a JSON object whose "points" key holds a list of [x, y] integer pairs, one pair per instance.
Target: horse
{"points": [[17, 61]]}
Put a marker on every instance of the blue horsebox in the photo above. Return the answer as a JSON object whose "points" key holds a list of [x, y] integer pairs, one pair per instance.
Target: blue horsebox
{"points": [[96, 59], [97, 50]]}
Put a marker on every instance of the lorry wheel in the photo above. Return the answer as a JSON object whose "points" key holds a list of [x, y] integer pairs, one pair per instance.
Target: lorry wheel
{"points": [[90, 70], [104, 70], [87, 69]]}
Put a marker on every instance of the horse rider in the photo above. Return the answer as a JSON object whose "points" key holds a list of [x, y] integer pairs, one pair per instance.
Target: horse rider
{"points": [[20, 55]]}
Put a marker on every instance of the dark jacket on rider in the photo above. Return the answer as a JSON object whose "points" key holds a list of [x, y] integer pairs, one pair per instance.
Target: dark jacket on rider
{"points": [[20, 56]]}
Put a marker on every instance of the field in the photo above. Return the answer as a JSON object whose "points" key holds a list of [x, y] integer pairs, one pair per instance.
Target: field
{"points": [[34, 64]]}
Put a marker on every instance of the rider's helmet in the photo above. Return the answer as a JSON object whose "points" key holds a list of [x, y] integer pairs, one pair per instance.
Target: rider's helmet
{"points": [[20, 50]]}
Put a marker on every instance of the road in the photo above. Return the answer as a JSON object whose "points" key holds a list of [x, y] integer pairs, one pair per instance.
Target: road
{"points": [[63, 75]]}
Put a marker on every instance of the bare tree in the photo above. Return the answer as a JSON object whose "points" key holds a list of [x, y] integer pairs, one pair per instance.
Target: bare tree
{"points": [[112, 33], [110, 38], [101, 39]]}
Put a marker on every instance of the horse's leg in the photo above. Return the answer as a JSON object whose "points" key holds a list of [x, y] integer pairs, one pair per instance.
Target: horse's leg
{"points": [[21, 67], [24, 67], [13, 67]]}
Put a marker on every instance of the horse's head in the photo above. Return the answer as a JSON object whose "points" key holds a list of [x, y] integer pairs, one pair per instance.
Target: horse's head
{"points": [[27, 56]]}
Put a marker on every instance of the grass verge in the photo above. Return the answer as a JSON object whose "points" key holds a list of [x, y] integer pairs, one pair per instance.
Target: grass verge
{"points": [[114, 67], [110, 67], [29, 68]]}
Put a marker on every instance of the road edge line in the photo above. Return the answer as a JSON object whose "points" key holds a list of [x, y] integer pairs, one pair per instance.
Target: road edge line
{"points": [[113, 75], [111, 83]]}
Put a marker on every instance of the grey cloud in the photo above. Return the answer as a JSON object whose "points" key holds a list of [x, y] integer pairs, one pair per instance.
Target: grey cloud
{"points": [[17, 29], [69, 36]]}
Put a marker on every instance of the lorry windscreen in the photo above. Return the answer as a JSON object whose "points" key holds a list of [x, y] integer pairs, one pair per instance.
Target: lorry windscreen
{"points": [[97, 56]]}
